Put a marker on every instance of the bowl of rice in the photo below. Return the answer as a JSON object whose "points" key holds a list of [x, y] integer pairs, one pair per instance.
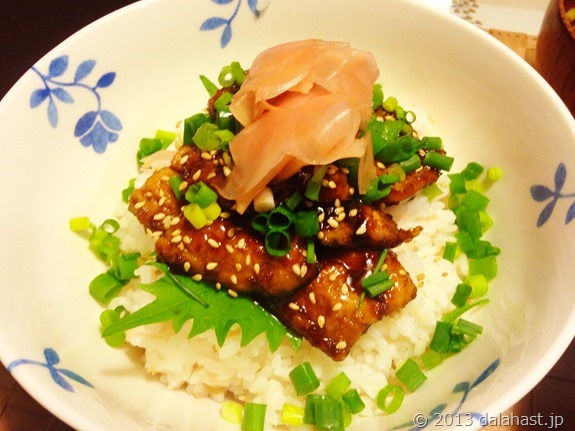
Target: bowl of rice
{"points": [[98, 326]]}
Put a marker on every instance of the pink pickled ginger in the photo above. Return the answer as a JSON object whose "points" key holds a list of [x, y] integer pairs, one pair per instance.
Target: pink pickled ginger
{"points": [[302, 103]]}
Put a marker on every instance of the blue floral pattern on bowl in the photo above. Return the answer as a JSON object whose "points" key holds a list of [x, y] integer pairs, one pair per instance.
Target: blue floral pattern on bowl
{"points": [[541, 193], [96, 128], [58, 374], [225, 23]]}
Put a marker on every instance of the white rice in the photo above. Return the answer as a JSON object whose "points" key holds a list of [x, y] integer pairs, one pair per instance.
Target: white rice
{"points": [[254, 374]]}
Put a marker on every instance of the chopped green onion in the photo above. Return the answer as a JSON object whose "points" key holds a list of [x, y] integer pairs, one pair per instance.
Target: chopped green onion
{"points": [[260, 222], [470, 222], [254, 417], [128, 190], [309, 409], [209, 137], [353, 401], [105, 287], [328, 414], [175, 182], [200, 194], [494, 174], [380, 188], [107, 317], [468, 328], [461, 295], [410, 375], [390, 104], [231, 74], [304, 379], [191, 126], [124, 265], [411, 164], [450, 251], [377, 96], [432, 143], [396, 169], [456, 184], [277, 242], [431, 359], [454, 315], [292, 415], [195, 215], [337, 386], [472, 171], [310, 251], [313, 186], [294, 200], [222, 103], [390, 398], [280, 218], [377, 283], [436, 160], [232, 412], [486, 266], [212, 211], [210, 87], [441, 337], [475, 201], [148, 146], [478, 283], [78, 224], [306, 223]]}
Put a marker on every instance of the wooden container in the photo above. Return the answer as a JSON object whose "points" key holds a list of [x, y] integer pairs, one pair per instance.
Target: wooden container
{"points": [[555, 51]]}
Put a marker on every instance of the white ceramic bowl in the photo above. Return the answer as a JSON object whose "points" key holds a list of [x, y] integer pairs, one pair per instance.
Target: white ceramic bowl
{"points": [[486, 103]]}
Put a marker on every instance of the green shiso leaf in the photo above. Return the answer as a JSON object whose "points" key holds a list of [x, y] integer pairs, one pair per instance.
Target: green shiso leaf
{"points": [[174, 303]]}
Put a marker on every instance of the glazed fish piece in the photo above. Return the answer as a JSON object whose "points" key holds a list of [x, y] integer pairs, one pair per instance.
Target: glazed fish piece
{"points": [[223, 253], [332, 312]]}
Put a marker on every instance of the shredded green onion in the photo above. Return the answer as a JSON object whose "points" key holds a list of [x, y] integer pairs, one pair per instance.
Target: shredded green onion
{"points": [[410, 375], [304, 379], [107, 317], [390, 398]]}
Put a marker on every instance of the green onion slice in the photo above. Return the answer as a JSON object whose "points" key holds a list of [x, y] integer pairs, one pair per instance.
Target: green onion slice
{"points": [[254, 417], [304, 379], [410, 375], [353, 401], [105, 287], [338, 386], [390, 398], [292, 415]]}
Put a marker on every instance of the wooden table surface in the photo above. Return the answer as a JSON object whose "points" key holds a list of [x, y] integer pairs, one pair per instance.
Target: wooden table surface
{"points": [[27, 32]]}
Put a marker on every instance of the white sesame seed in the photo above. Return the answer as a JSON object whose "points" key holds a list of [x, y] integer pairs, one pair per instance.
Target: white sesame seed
{"points": [[242, 243], [303, 271], [175, 221], [337, 307], [139, 205], [320, 235], [197, 175], [225, 215], [340, 217], [293, 306], [211, 175], [184, 159], [332, 222], [206, 155], [238, 266], [229, 248], [361, 230], [231, 232], [227, 170], [296, 269], [232, 293], [332, 170], [312, 297], [218, 285], [353, 212], [332, 184], [165, 178], [325, 183], [332, 277], [176, 232], [344, 170], [344, 289], [321, 321], [351, 190], [213, 243], [234, 279], [183, 186], [197, 277], [211, 266], [337, 203], [257, 268], [159, 216], [248, 259], [187, 239], [176, 239], [341, 345], [321, 217], [187, 266]]}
